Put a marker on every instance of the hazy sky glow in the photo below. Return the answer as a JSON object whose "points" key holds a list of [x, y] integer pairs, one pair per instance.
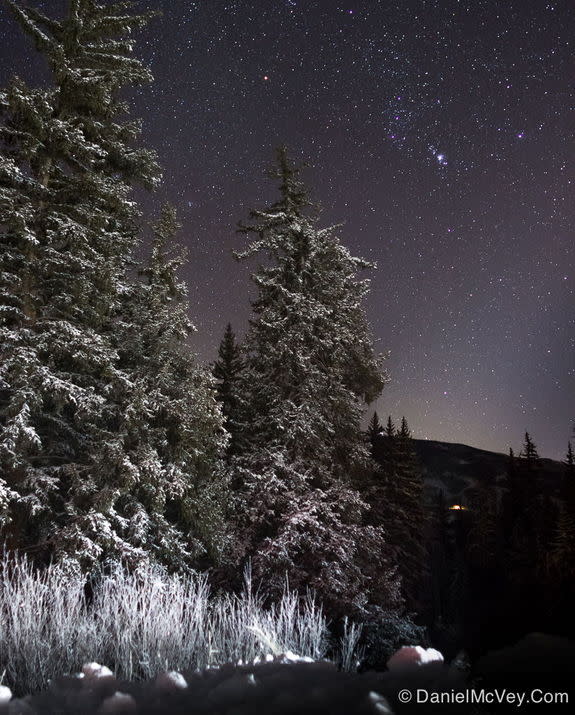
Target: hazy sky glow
{"points": [[440, 132]]}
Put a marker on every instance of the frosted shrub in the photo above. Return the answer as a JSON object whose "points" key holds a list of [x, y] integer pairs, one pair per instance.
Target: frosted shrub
{"points": [[44, 629], [140, 624]]}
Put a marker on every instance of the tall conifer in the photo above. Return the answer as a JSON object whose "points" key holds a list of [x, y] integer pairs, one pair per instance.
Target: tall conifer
{"points": [[310, 369], [79, 481], [172, 427], [227, 370], [374, 429]]}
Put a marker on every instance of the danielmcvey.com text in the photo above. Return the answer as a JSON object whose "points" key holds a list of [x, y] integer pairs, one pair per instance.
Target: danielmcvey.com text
{"points": [[484, 697]]}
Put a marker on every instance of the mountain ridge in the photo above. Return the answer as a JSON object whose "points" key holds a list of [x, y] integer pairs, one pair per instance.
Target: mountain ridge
{"points": [[453, 467]]}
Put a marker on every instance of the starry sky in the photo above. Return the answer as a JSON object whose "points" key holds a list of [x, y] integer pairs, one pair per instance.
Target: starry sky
{"points": [[439, 132]]}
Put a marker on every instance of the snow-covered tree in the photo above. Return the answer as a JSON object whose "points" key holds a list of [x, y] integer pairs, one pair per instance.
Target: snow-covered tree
{"points": [[310, 369], [80, 483], [171, 424]]}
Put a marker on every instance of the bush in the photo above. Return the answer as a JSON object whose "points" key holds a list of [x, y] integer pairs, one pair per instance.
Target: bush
{"points": [[381, 638]]}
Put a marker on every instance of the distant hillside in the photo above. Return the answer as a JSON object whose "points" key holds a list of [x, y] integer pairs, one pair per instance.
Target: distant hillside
{"points": [[453, 468]]}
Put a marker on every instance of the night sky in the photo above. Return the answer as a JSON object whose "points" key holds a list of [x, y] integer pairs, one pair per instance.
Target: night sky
{"points": [[439, 132]]}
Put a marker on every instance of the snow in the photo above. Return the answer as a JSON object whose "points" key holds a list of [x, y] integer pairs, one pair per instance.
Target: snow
{"points": [[94, 671], [379, 703], [171, 681], [284, 683], [413, 656], [118, 703]]}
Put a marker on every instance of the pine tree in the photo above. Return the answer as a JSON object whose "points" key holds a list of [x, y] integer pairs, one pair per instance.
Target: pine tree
{"points": [[407, 517], [384, 453], [563, 548], [529, 452], [171, 429], [82, 482], [570, 462], [227, 370], [484, 535], [529, 519], [438, 551], [374, 430], [310, 368]]}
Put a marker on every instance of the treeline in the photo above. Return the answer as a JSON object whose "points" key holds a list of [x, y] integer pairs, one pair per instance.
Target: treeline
{"points": [[115, 443], [503, 560]]}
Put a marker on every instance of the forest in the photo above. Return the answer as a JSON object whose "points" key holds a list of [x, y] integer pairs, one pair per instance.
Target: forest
{"points": [[137, 482]]}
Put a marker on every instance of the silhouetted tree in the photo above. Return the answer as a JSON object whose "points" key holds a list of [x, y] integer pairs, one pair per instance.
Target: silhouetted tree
{"points": [[563, 549], [227, 370], [374, 429]]}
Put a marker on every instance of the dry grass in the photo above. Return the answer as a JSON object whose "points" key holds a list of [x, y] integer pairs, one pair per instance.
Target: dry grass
{"points": [[141, 624]]}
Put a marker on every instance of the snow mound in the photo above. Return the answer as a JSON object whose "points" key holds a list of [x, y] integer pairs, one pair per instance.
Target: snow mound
{"points": [[171, 681], [94, 671], [413, 656], [284, 683], [117, 704]]}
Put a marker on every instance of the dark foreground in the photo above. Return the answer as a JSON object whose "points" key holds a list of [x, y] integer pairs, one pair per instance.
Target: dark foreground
{"points": [[536, 675]]}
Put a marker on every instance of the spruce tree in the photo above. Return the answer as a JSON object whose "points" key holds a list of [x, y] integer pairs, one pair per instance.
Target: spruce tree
{"points": [[529, 453], [310, 369], [529, 522], [484, 534], [570, 461], [227, 370], [563, 548], [384, 453], [172, 428], [407, 517], [374, 429], [82, 482], [438, 554]]}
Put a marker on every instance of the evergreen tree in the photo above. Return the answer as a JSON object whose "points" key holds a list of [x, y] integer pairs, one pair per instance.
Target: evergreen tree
{"points": [[563, 549], [385, 454], [522, 508], [227, 370], [484, 534], [394, 493], [80, 480], [374, 429], [310, 368], [570, 462], [438, 552], [407, 515], [529, 452], [172, 427]]}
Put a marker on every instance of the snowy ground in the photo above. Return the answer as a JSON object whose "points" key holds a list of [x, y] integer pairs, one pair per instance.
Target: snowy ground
{"points": [[288, 685], [283, 685]]}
